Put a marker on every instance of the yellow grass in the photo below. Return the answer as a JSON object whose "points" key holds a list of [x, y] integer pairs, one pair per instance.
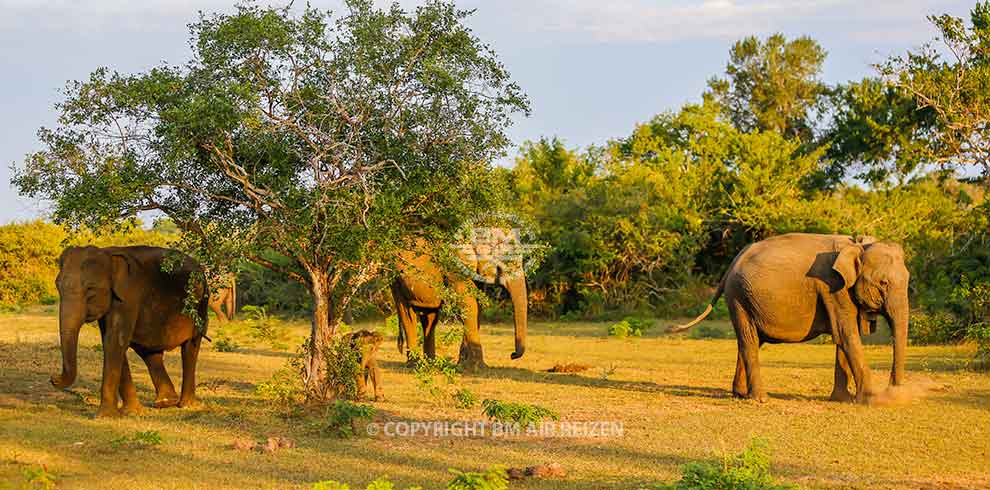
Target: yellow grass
{"points": [[670, 394]]}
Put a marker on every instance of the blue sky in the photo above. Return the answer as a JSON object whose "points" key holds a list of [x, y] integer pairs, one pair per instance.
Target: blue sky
{"points": [[592, 68]]}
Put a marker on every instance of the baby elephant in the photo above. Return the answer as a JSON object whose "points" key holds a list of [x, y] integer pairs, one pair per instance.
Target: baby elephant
{"points": [[367, 343]]}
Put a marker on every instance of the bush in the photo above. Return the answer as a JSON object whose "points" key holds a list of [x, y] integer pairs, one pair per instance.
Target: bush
{"points": [[264, 327], [494, 479], [434, 376], [711, 331], [39, 478], [517, 414], [283, 392], [749, 470], [465, 398], [345, 418], [138, 440], [342, 366], [224, 343], [939, 327], [629, 327]]}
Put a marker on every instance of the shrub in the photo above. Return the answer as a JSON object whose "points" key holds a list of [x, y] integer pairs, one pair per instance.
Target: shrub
{"points": [[465, 398], [223, 343], [265, 328], [711, 331], [342, 366], [749, 470], [518, 414], [138, 440], [629, 327], [39, 478], [939, 327], [345, 418], [433, 376], [494, 479], [283, 391]]}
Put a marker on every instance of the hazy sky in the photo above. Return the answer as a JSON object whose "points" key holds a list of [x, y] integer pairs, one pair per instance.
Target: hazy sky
{"points": [[592, 68]]}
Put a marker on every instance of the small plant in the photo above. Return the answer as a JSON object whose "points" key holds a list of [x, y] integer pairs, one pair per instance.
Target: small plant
{"points": [[493, 479], [433, 375], [749, 470], [39, 478], [392, 325], [223, 342], [138, 440], [629, 327], [282, 391], [518, 414], [264, 327], [342, 366], [345, 418], [465, 398]]}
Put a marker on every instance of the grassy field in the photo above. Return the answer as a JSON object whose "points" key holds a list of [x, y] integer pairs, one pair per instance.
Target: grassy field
{"points": [[670, 394]]}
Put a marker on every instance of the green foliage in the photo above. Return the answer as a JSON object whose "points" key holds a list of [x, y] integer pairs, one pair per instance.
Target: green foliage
{"points": [[938, 327], [378, 484], [629, 327], [711, 331], [392, 325], [493, 479], [138, 440], [283, 392], [436, 376], [341, 367], [749, 470], [465, 398], [39, 478], [345, 418], [516, 414], [222, 342], [264, 327]]}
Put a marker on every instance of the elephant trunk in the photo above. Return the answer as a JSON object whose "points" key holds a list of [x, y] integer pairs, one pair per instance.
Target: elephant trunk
{"points": [[897, 314], [520, 304], [70, 321]]}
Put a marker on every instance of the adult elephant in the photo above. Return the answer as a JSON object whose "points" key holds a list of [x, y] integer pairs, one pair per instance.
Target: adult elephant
{"points": [[223, 301], [795, 287], [417, 292], [137, 305]]}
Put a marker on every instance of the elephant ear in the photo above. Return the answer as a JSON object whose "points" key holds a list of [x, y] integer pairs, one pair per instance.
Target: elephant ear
{"points": [[849, 264], [123, 277]]}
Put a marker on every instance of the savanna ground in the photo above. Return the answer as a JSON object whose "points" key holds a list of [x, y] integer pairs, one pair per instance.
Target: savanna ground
{"points": [[670, 394]]}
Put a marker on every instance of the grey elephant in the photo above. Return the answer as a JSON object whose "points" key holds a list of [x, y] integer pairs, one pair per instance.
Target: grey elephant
{"points": [[136, 305], [417, 295], [795, 287]]}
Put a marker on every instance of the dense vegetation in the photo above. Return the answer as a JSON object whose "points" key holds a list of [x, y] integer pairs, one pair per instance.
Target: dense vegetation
{"points": [[645, 223]]}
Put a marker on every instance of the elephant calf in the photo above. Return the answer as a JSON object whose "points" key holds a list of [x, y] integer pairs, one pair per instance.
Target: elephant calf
{"points": [[136, 305], [367, 343], [795, 287]]}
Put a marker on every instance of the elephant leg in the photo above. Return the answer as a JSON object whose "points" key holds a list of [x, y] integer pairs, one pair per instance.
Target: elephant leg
{"points": [[376, 379], [116, 338], [740, 388], [429, 321], [221, 317], [128, 392], [471, 357], [840, 392], [190, 354], [852, 347], [165, 395], [748, 342], [407, 324]]}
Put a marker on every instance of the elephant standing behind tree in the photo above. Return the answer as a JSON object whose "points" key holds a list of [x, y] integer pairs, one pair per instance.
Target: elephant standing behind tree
{"points": [[795, 287], [136, 305], [417, 295], [225, 298]]}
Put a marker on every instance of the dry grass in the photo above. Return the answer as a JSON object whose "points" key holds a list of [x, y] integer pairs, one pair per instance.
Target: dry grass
{"points": [[671, 395]]}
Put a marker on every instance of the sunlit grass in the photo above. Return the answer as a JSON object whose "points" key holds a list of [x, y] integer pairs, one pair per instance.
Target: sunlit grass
{"points": [[670, 394]]}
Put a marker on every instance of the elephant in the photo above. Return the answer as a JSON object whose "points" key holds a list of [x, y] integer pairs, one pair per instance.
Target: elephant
{"points": [[417, 293], [795, 287], [137, 305], [225, 298], [367, 343]]}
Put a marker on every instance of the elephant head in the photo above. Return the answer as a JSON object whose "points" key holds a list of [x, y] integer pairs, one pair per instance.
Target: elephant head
{"points": [[875, 274], [89, 280], [494, 259]]}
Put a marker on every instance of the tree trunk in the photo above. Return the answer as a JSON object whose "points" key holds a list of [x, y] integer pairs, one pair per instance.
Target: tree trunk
{"points": [[324, 328]]}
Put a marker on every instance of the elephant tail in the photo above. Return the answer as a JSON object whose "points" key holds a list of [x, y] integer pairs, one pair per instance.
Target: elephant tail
{"points": [[708, 309]]}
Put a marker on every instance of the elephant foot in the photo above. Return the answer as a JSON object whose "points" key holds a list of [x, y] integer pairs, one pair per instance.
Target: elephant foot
{"points": [[760, 396], [107, 412], [841, 396], [739, 394], [866, 398], [191, 401], [166, 402], [131, 409], [471, 358]]}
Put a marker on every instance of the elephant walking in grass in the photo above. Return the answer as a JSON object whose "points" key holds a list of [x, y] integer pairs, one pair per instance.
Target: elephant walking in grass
{"points": [[136, 305], [795, 287], [225, 298], [417, 295]]}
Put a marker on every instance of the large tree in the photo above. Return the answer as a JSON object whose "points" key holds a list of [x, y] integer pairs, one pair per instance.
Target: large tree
{"points": [[951, 77], [314, 144], [772, 85]]}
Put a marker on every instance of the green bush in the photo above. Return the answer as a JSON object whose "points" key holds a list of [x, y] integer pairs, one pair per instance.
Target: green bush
{"points": [[138, 440], [223, 343], [282, 392], [517, 414], [265, 328], [749, 470], [39, 478], [940, 327], [465, 398], [629, 327], [494, 479], [345, 418], [434, 376]]}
